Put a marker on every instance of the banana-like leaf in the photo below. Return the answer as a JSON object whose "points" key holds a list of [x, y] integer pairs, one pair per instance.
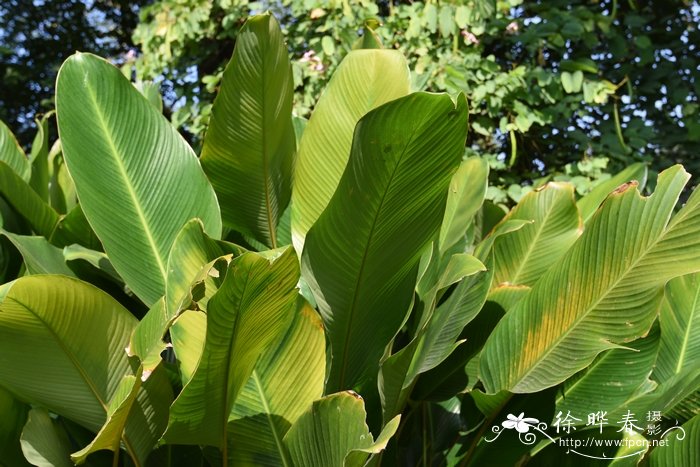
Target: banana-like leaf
{"points": [[151, 91], [137, 179], [43, 443], [403, 156], [364, 80], [11, 153], [286, 380], [614, 378], [74, 228], [41, 217], [604, 292], [117, 413], [680, 327], [253, 306], [249, 147], [40, 257], [682, 448], [523, 256], [467, 191], [333, 433], [69, 335], [589, 203]]}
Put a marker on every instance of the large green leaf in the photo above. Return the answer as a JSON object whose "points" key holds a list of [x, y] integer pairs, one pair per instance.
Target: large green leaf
{"points": [[253, 306], [249, 147], [523, 256], [364, 80], [286, 380], [137, 179], [60, 333], [682, 448], [333, 433], [392, 198], [11, 153], [605, 291], [680, 327]]}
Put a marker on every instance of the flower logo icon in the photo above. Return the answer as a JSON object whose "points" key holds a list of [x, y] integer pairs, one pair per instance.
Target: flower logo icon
{"points": [[520, 423]]}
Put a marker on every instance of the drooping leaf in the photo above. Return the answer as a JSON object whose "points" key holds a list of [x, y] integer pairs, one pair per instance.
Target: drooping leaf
{"points": [[403, 156], [250, 310], [286, 380], [249, 147], [137, 179], [66, 334], [364, 80], [43, 443], [523, 256], [604, 291], [11, 153], [333, 433]]}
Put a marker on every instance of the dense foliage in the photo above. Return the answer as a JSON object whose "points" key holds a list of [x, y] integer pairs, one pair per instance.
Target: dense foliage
{"points": [[336, 292], [573, 89]]}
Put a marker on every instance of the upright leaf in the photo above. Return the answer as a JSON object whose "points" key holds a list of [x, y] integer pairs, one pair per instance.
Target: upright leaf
{"points": [[11, 153], [249, 147], [364, 80], [62, 333], [403, 156], [137, 179], [286, 380], [605, 291], [252, 307]]}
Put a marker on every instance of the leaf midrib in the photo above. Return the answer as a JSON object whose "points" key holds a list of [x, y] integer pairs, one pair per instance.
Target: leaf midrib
{"points": [[127, 182], [268, 412]]}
